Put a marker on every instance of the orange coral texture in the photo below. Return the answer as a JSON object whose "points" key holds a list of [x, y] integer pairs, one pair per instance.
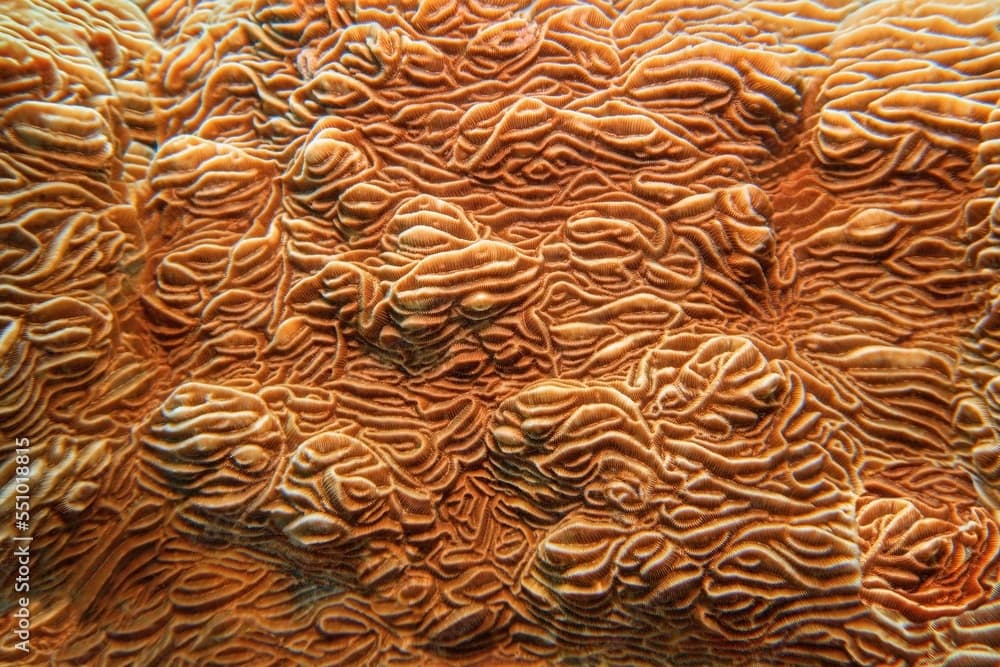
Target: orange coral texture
{"points": [[653, 332]]}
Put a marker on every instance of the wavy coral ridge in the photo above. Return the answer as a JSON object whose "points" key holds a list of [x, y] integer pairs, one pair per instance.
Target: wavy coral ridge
{"points": [[659, 332]]}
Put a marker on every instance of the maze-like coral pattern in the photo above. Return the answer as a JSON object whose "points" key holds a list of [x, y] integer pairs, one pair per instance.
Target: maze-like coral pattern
{"points": [[652, 332]]}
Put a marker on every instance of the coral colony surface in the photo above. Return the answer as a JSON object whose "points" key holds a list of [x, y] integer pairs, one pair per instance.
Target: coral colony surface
{"points": [[476, 332]]}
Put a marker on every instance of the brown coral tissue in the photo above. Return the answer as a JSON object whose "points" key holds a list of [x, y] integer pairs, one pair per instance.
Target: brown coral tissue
{"points": [[500, 332]]}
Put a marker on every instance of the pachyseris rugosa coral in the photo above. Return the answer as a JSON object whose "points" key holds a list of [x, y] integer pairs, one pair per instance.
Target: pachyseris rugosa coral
{"points": [[653, 332]]}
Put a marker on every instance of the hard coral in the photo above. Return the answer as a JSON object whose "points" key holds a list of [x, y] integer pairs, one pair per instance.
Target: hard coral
{"points": [[455, 332]]}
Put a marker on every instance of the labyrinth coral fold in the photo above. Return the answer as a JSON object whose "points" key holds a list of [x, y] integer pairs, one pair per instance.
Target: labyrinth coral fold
{"points": [[461, 332]]}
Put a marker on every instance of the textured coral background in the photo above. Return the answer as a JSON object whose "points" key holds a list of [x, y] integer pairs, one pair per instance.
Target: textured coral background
{"points": [[455, 332]]}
